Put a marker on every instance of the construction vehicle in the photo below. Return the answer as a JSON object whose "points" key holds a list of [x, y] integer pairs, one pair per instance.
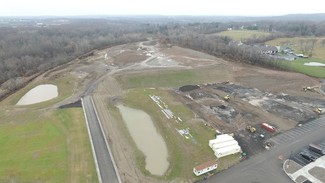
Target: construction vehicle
{"points": [[251, 129], [318, 110], [311, 89], [226, 98]]}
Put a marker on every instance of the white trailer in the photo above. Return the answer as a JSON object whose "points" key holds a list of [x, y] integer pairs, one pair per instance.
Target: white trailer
{"points": [[227, 151], [224, 144], [220, 139]]}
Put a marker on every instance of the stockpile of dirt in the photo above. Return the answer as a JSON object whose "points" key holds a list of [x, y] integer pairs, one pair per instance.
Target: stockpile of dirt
{"points": [[187, 88]]}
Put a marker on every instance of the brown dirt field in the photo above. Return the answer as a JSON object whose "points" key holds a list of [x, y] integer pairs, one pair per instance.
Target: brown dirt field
{"points": [[128, 57], [274, 81]]}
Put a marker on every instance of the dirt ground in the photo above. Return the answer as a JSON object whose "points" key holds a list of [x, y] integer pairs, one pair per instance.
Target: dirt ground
{"points": [[256, 95]]}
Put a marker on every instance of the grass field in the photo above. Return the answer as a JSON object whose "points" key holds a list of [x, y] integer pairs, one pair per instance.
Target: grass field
{"points": [[241, 35], [65, 89], [46, 148], [174, 78], [44, 144], [298, 66], [184, 153]]}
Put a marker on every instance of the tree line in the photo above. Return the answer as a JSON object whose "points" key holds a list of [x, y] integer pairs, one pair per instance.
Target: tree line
{"points": [[27, 50]]}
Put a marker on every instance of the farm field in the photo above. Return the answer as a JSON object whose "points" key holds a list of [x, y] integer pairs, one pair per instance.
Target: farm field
{"points": [[241, 35]]}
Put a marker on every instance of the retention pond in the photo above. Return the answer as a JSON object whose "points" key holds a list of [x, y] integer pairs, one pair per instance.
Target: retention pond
{"points": [[146, 138]]}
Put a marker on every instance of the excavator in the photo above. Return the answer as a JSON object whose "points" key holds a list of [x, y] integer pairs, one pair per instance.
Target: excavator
{"points": [[318, 110], [226, 98], [251, 129], [311, 89]]}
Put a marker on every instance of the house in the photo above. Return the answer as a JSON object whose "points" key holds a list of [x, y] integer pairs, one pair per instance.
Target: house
{"points": [[266, 49], [205, 167]]}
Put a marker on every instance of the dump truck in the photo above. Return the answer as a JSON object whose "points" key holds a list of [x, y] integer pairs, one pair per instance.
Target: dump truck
{"points": [[268, 127]]}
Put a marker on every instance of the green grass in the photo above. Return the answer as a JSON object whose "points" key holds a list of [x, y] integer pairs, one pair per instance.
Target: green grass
{"points": [[154, 79], [174, 78], [242, 35], [184, 154], [50, 147], [33, 151], [65, 89], [298, 66]]}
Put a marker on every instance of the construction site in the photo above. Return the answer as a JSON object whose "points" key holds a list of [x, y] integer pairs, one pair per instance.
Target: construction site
{"points": [[190, 97], [233, 108]]}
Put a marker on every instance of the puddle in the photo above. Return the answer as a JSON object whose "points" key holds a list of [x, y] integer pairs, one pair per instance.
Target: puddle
{"points": [[39, 94], [147, 139], [314, 64]]}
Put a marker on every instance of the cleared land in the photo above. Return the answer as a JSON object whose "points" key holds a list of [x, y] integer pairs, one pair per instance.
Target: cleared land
{"points": [[242, 35]]}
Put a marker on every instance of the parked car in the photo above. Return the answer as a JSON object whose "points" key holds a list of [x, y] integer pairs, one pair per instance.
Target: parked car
{"points": [[308, 156]]}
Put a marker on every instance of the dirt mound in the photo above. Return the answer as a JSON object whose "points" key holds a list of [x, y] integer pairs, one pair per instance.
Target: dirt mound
{"points": [[187, 88]]}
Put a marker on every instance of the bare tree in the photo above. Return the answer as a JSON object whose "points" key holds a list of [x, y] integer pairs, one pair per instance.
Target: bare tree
{"points": [[307, 46]]}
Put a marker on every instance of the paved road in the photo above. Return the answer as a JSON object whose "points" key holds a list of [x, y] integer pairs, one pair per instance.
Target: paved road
{"points": [[105, 167], [266, 167]]}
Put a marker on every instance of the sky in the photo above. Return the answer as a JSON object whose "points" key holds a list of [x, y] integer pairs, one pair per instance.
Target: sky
{"points": [[159, 7]]}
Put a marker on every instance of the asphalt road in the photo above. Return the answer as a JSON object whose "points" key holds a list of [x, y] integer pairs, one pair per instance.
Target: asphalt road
{"points": [[266, 167], [105, 164]]}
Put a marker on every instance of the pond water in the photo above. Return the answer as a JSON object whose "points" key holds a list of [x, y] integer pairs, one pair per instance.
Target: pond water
{"points": [[39, 94], [146, 138]]}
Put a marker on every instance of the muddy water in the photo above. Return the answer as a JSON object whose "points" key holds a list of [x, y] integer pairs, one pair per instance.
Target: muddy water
{"points": [[39, 94], [147, 139]]}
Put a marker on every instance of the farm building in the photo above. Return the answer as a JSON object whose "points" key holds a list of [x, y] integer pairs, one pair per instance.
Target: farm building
{"points": [[266, 49], [205, 167]]}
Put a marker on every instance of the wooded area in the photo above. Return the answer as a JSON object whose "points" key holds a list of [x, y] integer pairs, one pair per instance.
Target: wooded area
{"points": [[29, 49]]}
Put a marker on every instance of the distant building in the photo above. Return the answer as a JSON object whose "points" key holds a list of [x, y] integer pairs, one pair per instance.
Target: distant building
{"points": [[205, 167], [266, 49]]}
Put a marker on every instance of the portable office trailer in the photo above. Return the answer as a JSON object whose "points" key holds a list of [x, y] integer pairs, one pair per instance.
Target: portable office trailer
{"points": [[224, 144], [227, 151], [220, 139]]}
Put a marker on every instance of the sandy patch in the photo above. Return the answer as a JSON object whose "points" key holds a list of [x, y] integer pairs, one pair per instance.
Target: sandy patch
{"points": [[39, 94]]}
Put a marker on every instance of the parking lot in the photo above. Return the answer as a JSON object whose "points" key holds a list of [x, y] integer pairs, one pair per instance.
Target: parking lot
{"points": [[303, 161], [296, 132], [307, 167]]}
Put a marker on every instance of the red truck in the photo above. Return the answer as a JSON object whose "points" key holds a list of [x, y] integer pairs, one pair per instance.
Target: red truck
{"points": [[268, 127]]}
